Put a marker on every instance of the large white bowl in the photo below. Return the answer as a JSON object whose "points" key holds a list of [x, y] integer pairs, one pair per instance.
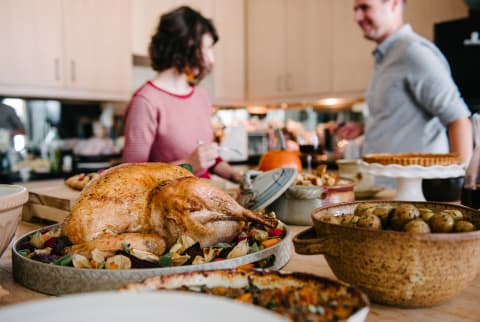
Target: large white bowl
{"points": [[12, 199]]}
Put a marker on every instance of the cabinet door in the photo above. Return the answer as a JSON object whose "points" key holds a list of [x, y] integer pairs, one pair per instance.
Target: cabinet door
{"points": [[309, 47], [97, 45], [266, 48], [423, 14], [229, 69], [145, 18], [205, 7], [30, 34], [352, 54]]}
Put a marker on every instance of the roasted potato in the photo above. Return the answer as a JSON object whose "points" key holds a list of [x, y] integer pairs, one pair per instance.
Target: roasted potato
{"points": [[331, 219], [463, 226], [402, 215], [384, 212], [350, 220], [441, 223], [370, 221], [426, 214], [454, 213], [364, 208], [417, 226]]}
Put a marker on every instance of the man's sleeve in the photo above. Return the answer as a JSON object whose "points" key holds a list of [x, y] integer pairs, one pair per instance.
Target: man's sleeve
{"points": [[430, 81]]}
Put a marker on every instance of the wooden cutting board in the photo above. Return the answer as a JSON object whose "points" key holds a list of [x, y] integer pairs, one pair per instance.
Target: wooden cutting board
{"points": [[49, 199]]}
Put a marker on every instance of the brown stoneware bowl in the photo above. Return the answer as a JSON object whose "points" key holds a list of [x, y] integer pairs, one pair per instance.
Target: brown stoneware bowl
{"points": [[392, 267]]}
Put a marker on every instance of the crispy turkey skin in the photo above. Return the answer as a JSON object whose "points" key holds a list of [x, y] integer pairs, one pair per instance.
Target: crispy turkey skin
{"points": [[151, 205]]}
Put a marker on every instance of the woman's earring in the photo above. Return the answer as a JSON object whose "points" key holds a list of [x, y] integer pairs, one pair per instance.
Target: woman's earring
{"points": [[189, 75]]}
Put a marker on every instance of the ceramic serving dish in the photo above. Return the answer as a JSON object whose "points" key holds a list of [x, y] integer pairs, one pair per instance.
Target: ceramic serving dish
{"points": [[276, 191], [393, 267], [295, 205], [12, 198], [246, 285], [127, 307], [57, 280]]}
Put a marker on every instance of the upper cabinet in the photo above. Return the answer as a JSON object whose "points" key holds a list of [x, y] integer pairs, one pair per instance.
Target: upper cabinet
{"points": [[229, 69], [289, 48], [352, 58], [32, 47], [97, 46], [304, 48], [422, 15], [77, 49], [146, 16], [226, 84]]}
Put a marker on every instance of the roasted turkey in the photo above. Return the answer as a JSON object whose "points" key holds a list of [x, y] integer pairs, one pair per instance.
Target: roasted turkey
{"points": [[149, 206]]}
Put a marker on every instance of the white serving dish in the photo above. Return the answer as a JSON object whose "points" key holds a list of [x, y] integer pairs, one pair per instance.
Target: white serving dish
{"points": [[259, 279], [12, 199], [127, 307]]}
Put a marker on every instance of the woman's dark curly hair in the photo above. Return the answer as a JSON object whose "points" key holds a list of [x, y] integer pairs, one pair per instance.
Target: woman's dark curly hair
{"points": [[177, 41]]}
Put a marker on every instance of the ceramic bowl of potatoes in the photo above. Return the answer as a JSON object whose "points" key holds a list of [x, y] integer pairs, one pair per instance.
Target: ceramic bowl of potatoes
{"points": [[405, 254]]}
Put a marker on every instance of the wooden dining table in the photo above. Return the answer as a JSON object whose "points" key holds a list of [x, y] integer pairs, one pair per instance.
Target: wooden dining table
{"points": [[465, 307]]}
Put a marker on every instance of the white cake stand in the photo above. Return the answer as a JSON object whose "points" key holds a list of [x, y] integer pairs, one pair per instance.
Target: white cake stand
{"points": [[409, 178]]}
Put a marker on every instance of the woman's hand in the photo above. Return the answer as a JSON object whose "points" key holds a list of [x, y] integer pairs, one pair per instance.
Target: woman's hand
{"points": [[203, 157]]}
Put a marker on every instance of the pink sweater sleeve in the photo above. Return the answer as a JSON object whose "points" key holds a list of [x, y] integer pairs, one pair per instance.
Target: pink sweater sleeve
{"points": [[141, 121]]}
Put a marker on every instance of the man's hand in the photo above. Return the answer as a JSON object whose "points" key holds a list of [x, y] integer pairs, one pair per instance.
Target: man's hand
{"points": [[349, 131]]}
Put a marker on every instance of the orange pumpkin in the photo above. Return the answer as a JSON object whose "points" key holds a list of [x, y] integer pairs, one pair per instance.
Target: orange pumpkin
{"points": [[275, 159]]}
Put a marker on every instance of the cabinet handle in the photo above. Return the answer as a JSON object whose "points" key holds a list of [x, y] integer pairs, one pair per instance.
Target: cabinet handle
{"points": [[72, 70], [279, 83], [57, 69], [289, 82]]}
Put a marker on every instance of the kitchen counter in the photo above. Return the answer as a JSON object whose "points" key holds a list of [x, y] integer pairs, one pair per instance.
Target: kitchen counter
{"points": [[461, 309]]}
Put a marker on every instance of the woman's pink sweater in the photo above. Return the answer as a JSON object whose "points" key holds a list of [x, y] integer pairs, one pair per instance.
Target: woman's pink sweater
{"points": [[164, 127]]}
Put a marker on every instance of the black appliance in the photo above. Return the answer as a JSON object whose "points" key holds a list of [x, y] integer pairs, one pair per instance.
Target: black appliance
{"points": [[459, 40], [76, 119]]}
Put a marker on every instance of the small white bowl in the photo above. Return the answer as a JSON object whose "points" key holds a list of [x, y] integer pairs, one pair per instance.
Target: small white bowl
{"points": [[12, 199]]}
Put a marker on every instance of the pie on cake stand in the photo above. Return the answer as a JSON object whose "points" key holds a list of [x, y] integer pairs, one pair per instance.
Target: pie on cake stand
{"points": [[411, 168]]}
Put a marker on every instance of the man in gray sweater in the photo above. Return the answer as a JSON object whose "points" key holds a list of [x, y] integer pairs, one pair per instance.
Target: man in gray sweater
{"points": [[413, 102]]}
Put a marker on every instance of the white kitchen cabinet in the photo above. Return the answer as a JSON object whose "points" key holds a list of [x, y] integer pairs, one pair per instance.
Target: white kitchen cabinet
{"points": [[266, 48], [146, 16], [229, 70], [352, 53], [30, 35], [422, 14], [289, 48], [227, 82], [75, 49], [97, 45]]}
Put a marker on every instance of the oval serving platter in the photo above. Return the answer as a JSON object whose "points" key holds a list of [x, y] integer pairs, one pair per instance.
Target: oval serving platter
{"points": [[57, 280]]}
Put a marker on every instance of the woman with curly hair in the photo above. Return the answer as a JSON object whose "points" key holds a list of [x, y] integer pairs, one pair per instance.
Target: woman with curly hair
{"points": [[169, 118]]}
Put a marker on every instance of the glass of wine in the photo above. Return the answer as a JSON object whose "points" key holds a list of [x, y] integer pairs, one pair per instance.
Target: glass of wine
{"points": [[309, 146]]}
